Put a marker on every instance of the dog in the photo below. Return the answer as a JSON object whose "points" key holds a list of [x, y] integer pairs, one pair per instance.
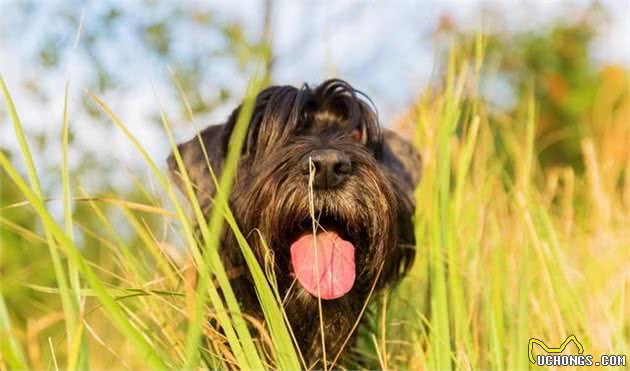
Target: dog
{"points": [[314, 151]]}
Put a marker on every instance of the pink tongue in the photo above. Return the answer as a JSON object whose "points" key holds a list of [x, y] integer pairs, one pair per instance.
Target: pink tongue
{"points": [[333, 264]]}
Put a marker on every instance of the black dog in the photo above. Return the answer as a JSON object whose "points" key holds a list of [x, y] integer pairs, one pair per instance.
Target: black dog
{"points": [[362, 200]]}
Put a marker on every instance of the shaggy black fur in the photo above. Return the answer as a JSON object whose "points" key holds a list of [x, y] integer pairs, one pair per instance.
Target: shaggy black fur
{"points": [[371, 205]]}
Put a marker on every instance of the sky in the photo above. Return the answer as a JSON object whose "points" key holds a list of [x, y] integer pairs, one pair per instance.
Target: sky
{"points": [[385, 49]]}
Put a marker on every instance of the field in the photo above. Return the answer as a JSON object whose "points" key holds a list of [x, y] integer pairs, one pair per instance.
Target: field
{"points": [[508, 249]]}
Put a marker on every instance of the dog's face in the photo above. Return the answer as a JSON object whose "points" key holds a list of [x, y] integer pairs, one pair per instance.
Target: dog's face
{"points": [[317, 152]]}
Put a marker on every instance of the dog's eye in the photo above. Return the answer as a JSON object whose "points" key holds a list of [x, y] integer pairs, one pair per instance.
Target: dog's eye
{"points": [[355, 134]]}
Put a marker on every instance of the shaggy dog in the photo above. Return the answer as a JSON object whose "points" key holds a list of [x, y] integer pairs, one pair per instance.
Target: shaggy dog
{"points": [[323, 145]]}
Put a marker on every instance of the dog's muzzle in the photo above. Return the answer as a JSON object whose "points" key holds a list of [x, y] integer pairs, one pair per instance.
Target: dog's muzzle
{"points": [[331, 167]]}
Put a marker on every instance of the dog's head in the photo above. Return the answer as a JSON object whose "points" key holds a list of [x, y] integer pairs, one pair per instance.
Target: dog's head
{"points": [[316, 152]]}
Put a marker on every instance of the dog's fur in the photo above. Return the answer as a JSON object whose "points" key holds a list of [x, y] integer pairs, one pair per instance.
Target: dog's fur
{"points": [[373, 206]]}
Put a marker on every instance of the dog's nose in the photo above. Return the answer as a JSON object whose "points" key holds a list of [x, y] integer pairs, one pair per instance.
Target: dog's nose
{"points": [[332, 167]]}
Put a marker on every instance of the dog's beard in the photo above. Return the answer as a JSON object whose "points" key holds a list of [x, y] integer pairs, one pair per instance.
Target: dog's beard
{"points": [[273, 197]]}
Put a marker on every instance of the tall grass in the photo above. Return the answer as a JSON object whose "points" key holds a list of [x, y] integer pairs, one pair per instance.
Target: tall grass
{"points": [[502, 265], [506, 251], [209, 266]]}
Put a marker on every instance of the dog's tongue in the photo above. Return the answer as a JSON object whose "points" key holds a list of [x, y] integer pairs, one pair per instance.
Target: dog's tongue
{"points": [[334, 264]]}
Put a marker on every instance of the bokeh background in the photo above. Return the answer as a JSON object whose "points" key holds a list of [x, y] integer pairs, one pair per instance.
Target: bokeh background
{"points": [[571, 56], [125, 51]]}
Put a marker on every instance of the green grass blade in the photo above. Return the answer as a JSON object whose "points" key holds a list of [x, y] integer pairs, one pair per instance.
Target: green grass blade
{"points": [[214, 234], [78, 355], [188, 232], [283, 345], [69, 307], [142, 346], [67, 207], [10, 349], [210, 262], [196, 326], [143, 233], [271, 304], [127, 259], [194, 337]]}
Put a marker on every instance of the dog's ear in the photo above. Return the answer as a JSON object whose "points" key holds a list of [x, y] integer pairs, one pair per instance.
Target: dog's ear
{"points": [[402, 160], [213, 139], [403, 164]]}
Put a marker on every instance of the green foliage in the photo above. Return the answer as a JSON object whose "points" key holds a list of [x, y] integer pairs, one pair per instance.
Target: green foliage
{"points": [[556, 65]]}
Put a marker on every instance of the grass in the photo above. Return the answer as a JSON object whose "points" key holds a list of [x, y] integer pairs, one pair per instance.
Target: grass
{"points": [[507, 251]]}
